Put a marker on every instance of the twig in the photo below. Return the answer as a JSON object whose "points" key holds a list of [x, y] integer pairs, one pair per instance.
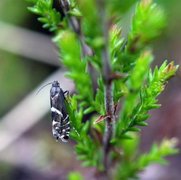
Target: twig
{"points": [[87, 51], [75, 25], [109, 104]]}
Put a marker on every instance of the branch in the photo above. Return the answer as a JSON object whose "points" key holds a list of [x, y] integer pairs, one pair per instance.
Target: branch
{"points": [[109, 104], [75, 25]]}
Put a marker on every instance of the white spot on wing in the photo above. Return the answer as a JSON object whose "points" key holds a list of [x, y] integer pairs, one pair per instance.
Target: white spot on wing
{"points": [[57, 111], [54, 122]]}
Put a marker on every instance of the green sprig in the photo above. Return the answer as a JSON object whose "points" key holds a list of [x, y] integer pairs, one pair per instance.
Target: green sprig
{"points": [[135, 87]]}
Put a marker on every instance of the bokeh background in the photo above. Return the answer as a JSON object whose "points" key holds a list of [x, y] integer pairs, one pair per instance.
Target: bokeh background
{"points": [[28, 58]]}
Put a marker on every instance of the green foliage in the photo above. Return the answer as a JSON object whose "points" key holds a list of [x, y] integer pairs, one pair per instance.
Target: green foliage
{"points": [[120, 7], [71, 58], [157, 153], [135, 110], [48, 16], [134, 163], [135, 87], [75, 176], [147, 24], [91, 25]]}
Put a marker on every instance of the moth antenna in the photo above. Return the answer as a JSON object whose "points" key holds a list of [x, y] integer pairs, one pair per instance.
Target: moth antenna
{"points": [[43, 87]]}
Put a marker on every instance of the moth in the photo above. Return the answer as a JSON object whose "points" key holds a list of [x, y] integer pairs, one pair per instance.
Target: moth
{"points": [[59, 114]]}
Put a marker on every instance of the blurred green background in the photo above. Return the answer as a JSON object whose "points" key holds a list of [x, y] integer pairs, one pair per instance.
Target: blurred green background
{"points": [[41, 158], [16, 77]]}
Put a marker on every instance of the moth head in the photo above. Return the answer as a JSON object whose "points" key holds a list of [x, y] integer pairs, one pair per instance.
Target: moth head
{"points": [[55, 83]]}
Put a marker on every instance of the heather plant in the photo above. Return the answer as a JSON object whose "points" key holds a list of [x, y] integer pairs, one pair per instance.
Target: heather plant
{"points": [[115, 86]]}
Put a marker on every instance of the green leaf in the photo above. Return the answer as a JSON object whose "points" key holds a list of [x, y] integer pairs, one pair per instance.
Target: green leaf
{"points": [[157, 153], [120, 7], [148, 22], [88, 110], [75, 176], [141, 123], [89, 11], [140, 70]]}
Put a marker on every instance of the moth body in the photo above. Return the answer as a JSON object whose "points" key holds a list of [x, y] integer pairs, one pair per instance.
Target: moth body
{"points": [[60, 117]]}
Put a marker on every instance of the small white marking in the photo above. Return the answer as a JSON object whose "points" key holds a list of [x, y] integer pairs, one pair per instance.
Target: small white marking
{"points": [[66, 118], [57, 111], [67, 129], [55, 96], [67, 123], [54, 122]]}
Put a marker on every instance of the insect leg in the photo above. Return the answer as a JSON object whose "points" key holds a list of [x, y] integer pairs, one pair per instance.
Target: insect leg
{"points": [[66, 92]]}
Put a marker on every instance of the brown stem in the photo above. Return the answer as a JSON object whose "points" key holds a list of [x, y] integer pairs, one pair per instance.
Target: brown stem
{"points": [[75, 24], [87, 51], [109, 104]]}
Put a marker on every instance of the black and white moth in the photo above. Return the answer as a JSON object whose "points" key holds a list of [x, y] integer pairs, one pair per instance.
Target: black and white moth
{"points": [[60, 117]]}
